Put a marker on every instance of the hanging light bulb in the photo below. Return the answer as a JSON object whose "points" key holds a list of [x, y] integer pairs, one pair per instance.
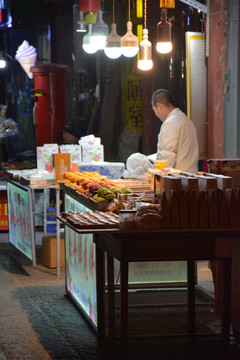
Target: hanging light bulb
{"points": [[145, 48], [87, 42], [81, 25], [145, 53], [129, 42], [2, 61], [99, 32], [113, 42], [164, 44]]}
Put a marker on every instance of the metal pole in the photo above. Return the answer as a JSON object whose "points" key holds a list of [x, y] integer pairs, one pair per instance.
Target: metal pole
{"points": [[58, 230]]}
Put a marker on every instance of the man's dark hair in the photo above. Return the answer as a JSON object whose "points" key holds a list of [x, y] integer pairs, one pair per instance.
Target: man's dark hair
{"points": [[162, 96], [72, 128]]}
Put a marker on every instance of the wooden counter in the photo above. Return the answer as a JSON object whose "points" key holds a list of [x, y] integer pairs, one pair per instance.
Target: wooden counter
{"points": [[189, 245], [157, 245]]}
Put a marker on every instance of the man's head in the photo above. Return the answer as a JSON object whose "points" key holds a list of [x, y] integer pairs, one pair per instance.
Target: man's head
{"points": [[162, 103]]}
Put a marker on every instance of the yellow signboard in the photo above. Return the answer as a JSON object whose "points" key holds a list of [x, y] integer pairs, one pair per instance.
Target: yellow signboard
{"points": [[132, 96]]}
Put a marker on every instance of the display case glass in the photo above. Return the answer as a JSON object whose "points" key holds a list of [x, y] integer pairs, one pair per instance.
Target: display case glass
{"points": [[20, 217], [80, 266]]}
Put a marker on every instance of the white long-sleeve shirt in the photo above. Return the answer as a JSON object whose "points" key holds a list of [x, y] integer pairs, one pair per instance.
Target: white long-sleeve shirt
{"points": [[178, 143]]}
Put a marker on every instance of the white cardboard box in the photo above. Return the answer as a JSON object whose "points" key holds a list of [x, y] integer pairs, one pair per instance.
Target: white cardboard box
{"points": [[92, 153]]}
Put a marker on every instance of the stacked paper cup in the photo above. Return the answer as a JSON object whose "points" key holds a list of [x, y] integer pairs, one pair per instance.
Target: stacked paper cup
{"points": [[26, 55]]}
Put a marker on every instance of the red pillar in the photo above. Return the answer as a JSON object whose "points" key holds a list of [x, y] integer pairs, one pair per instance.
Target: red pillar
{"points": [[50, 116], [216, 70]]}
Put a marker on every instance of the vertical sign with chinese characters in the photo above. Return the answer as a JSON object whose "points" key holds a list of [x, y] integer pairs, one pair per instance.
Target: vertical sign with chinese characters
{"points": [[132, 96]]}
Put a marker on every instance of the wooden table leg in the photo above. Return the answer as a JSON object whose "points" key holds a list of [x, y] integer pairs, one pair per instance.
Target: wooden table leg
{"points": [[226, 303], [111, 300], [191, 300], [100, 278], [124, 309]]}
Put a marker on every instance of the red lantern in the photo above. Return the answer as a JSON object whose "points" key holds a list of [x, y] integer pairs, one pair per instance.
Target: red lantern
{"points": [[88, 6]]}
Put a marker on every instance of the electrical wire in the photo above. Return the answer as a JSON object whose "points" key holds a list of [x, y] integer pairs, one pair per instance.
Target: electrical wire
{"points": [[129, 18], [113, 11], [145, 14]]}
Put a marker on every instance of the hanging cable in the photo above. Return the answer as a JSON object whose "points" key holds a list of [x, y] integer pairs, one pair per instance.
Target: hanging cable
{"points": [[129, 17], [145, 14]]}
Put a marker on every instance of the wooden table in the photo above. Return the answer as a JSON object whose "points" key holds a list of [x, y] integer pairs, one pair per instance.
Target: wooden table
{"points": [[163, 245]]}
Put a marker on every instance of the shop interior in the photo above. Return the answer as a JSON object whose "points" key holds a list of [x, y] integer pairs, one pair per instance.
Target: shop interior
{"points": [[95, 89]]}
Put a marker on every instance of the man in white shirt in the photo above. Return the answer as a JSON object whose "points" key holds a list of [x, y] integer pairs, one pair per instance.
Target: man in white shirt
{"points": [[177, 140]]}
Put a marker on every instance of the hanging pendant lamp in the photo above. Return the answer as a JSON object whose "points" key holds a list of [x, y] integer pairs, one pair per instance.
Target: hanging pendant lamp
{"points": [[81, 25], [145, 48], [164, 44], [129, 42], [145, 53], [99, 32], [87, 42], [113, 42]]}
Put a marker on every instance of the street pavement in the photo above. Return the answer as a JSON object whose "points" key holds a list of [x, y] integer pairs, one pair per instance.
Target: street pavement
{"points": [[38, 321]]}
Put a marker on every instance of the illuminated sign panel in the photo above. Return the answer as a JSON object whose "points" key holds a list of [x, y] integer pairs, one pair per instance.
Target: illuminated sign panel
{"points": [[19, 212]]}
